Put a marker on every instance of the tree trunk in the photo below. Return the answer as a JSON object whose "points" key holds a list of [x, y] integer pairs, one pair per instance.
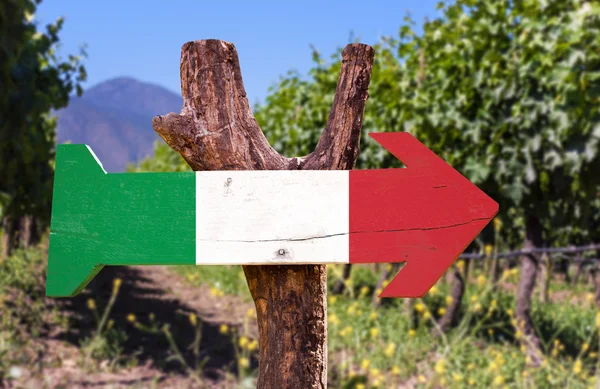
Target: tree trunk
{"points": [[217, 131], [28, 235], [597, 294], [340, 285], [10, 231], [545, 277], [563, 267], [529, 269], [580, 265], [457, 293]]}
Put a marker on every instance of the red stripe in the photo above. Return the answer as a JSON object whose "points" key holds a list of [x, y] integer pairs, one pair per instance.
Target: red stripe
{"points": [[425, 215]]}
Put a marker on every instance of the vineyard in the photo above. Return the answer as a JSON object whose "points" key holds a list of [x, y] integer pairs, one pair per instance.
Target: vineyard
{"points": [[506, 92]]}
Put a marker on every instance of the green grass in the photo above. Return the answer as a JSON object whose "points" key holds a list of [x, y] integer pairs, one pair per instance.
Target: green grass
{"points": [[368, 347], [378, 347]]}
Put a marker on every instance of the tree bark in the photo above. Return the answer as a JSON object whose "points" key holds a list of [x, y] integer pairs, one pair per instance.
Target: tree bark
{"points": [[529, 270], [545, 278], [216, 130], [457, 293], [340, 285], [10, 230], [28, 232]]}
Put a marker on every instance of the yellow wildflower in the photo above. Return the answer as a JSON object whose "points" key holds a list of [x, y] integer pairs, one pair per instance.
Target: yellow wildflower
{"points": [[589, 297], [375, 372], [332, 299], [250, 313], [427, 315], [244, 362], [585, 347], [364, 290], [457, 377], [223, 328], [471, 381], [253, 345], [461, 265], [497, 223], [243, 341], [333, 319], [488, 248], [214, 291], [374, 332], [598, 319], [440, 366], [443, 381], [421, 379], [390, 350], [578, 367], [385, 283], [110, 324], [470, 366], [449, 300], [412, 332], [474, 298], [491, 331], [364, 364], [131, 318], [518, 335], [193, 319], [373, 315], [360, 386], [477, 307], [352, 309], [481, 280], [442, 311], [116, 285], [419, 307], [498, 380], [346, 331], [509, 312], [395, 370], [433, 291], [91, 304]]}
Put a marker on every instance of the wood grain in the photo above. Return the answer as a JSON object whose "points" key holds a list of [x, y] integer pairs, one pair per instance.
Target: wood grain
{"points": [[216, 130]]}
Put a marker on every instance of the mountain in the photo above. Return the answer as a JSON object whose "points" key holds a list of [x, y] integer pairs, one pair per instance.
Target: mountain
{"points": [[114, 118]]}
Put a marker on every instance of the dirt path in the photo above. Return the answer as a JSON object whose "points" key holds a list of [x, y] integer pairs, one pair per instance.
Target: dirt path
{"points": [[147, 291]]}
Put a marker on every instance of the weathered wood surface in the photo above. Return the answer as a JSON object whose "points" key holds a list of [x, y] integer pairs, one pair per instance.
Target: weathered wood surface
{"points": [[217, 131], [423, 215]]}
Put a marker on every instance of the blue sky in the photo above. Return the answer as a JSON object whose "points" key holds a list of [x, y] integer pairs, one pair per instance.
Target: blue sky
{"points": [[143, 38]]}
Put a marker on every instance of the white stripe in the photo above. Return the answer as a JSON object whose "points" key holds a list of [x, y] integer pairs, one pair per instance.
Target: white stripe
{"points": [[272, 217]]}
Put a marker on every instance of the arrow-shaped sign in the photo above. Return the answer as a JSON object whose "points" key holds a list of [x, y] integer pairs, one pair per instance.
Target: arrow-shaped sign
{"points": [[425, 215]]}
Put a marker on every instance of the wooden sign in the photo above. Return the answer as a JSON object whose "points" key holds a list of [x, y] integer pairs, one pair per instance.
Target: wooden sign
{"points": [[424, 215]]}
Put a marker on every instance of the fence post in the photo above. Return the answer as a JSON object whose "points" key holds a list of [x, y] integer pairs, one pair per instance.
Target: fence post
{"points": [[216, 130]]}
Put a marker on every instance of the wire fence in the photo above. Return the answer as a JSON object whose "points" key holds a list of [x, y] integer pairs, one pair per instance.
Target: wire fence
{"points": [[556, 251]]}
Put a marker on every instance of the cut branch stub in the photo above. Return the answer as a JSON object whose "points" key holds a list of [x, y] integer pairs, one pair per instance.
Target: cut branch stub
{"points": [[216, 130]]}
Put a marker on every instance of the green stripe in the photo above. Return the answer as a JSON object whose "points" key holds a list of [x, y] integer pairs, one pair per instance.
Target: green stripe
{"points": [[115, 219]]}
